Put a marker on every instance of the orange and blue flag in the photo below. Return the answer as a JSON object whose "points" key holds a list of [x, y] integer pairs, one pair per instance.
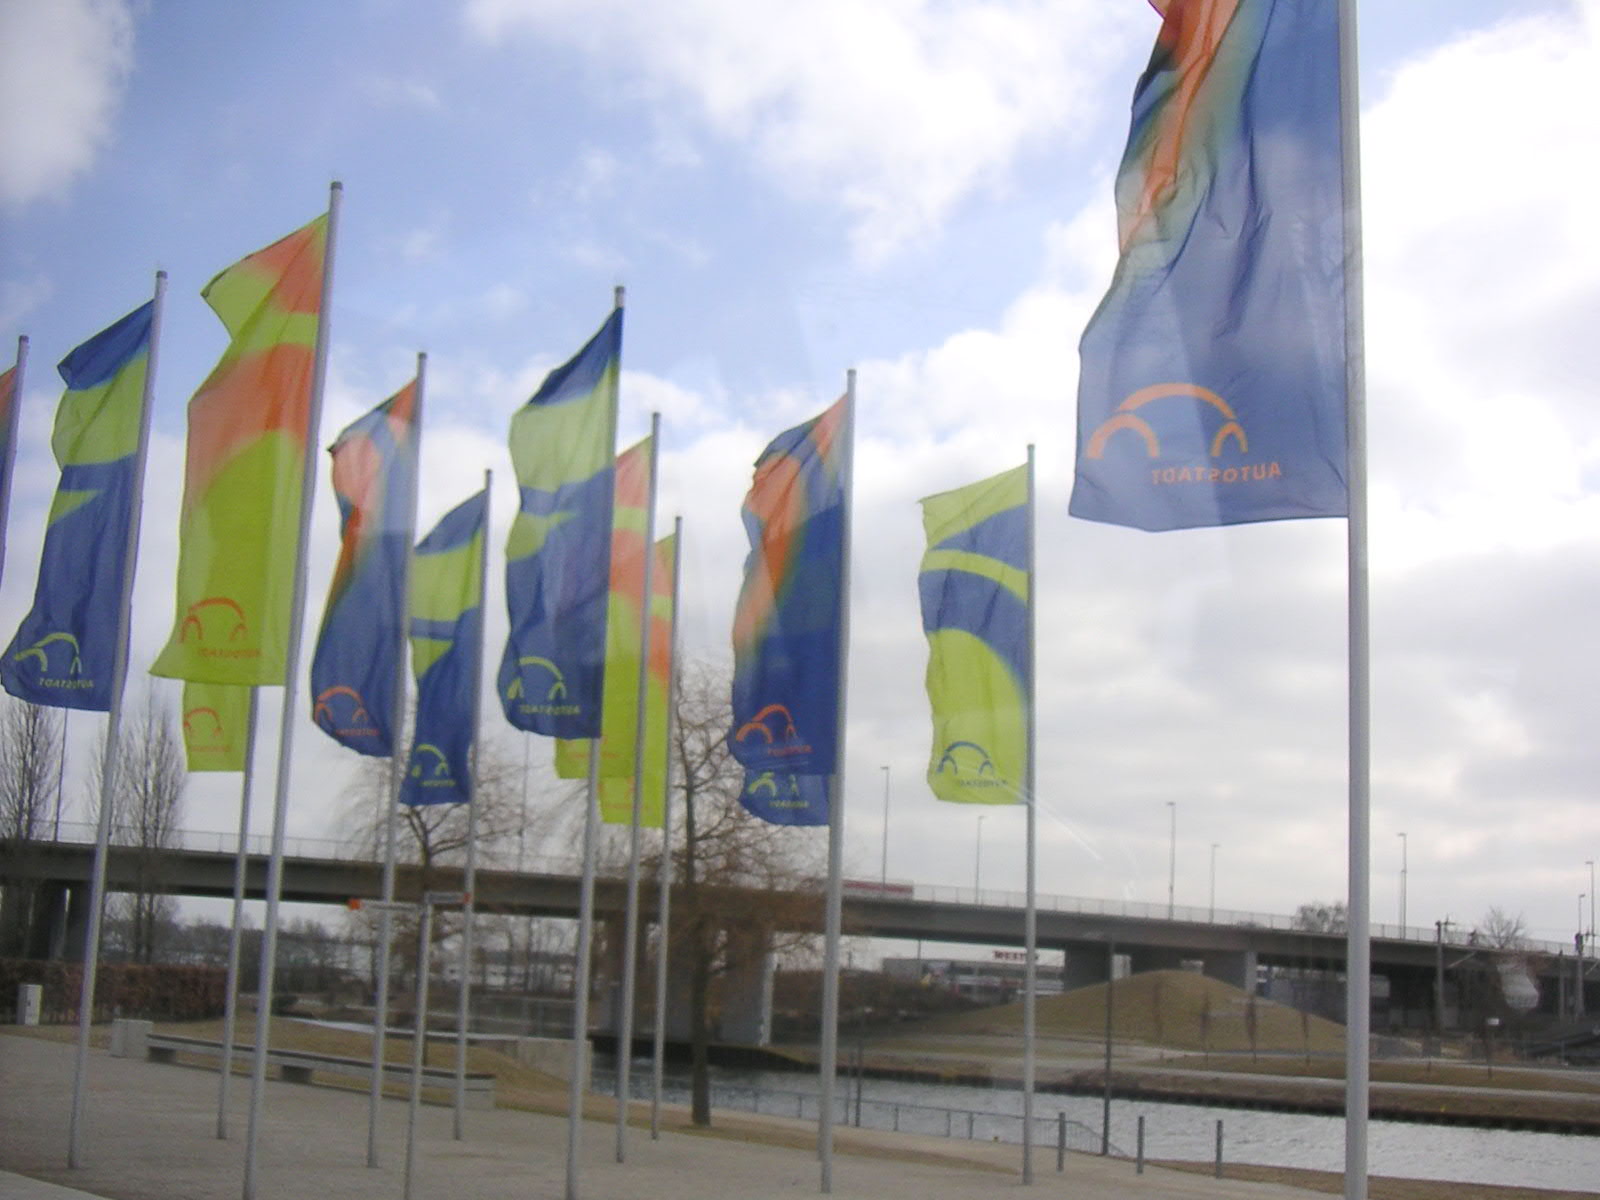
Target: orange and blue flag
{"points": [[357, 660], [787, 626], [1212, 389], [65, 649], [249, 426], [446, 652], [558, 557]]}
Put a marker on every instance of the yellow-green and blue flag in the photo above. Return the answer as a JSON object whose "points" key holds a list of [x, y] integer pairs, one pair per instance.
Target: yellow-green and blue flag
{"points": [[249, 423], [558, 559], [975, 595], [64, 651], [1212, 389], [357, 660], [446, 652]]}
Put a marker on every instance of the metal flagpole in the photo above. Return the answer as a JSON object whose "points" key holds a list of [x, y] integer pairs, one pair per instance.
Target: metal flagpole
{"points": [[470, 880], [664, 902], [419, 1039], [1358, 977], [630, 936], [1030, 934], [241, 860], [61, 773], [108, 769], [835, 903], [280, 803], [10, 451], [390, 816], [580, 976]]}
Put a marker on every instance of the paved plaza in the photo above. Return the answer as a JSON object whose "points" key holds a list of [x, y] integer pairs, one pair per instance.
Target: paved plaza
{"points": [[151, 1135]]}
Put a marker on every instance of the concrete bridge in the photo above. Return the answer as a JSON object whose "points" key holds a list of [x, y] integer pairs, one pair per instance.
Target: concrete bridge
{"points": [[1408, 964]]}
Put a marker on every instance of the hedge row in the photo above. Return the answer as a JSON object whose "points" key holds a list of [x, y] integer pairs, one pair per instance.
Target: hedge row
{"points": [[160, 993]]}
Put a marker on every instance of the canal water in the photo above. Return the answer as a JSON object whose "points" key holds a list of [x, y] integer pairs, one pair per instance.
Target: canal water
{"points": [[1183, 1132]]}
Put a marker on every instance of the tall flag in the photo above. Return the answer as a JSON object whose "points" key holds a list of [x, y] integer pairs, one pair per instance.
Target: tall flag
{"points": [[354, 669], [216, 726], [238, 530], [620, 713], [1212, 388], [787, 626], [10, 405], [974, 587], [65, 649], [446, 647], [557, 561]]}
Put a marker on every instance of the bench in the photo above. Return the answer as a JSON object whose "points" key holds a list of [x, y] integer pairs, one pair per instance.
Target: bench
{"points": [[303, 1066]]}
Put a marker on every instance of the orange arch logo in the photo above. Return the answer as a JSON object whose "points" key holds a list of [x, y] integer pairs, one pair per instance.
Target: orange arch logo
{"points": [[219, 614], [328, 701], [761, 724], [1125, 418], [203, 726]]}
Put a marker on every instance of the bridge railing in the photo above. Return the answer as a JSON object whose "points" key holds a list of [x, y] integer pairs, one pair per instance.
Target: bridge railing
{"points": [[349, 850]]}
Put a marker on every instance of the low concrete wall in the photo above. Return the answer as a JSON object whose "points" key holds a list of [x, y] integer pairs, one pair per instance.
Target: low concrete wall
{"points": [[553, 1056], [130, 1038]]}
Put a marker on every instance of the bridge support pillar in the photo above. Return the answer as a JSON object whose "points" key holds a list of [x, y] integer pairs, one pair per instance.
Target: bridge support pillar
{"points": [[1083, 967], [747, 990], [1238, 969]]}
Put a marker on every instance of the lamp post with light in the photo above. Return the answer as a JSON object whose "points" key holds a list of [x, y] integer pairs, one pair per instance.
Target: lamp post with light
{"points": [[1172, 858]]}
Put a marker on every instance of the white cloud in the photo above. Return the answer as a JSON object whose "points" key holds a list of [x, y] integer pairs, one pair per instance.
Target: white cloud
{"points": [[893, 110], [62, 69]]}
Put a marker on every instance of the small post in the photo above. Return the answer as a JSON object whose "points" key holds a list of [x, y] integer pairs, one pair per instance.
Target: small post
{"points": [[1138, 1162], [1219, 1147], [1061, 1141]]}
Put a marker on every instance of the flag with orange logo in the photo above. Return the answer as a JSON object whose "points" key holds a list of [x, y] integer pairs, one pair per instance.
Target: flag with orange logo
{"points": [[787, 626], [216, 726], [1212, 388], [356, 666], [238, 530]]}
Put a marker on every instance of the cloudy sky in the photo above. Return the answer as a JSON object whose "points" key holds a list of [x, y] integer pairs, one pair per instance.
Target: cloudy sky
{"points": [[921, 191]]}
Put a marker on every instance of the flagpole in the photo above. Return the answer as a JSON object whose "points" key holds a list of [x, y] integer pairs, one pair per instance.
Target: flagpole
{"points": [[13, 411], [419, 1039], [280, 804], [241, 859], [835, 901], [580, 984], [664, 880], [1031, 919], [1358, 964], [119, 676], [630, 919], [580, 975], [390, 822], [464, 1000]]}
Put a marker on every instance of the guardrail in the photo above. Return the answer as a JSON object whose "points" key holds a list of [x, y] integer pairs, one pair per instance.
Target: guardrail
{"points": [[347, 850]]}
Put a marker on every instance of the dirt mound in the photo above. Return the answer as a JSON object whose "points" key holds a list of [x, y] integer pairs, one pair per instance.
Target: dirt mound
{"points": [[1180, 1010]]}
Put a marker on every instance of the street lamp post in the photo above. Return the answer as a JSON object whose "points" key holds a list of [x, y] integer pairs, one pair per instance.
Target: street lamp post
{"points": [[1214, 846], [1172, 858], [977, 862], [1588, 862], [1402, 885], [885, 874]]}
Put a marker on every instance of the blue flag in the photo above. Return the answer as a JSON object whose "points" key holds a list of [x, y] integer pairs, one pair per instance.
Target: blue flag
{"points": [[64, 651], [785, 799], [1212, 388], [786, 628], [353, 672], [558, 557], [446, 650]]}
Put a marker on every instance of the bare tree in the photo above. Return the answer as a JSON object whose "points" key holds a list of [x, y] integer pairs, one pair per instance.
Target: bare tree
{"points": [[30, 757], [146, 794], [745, 887], [1322, 916], [1502, 930]]}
